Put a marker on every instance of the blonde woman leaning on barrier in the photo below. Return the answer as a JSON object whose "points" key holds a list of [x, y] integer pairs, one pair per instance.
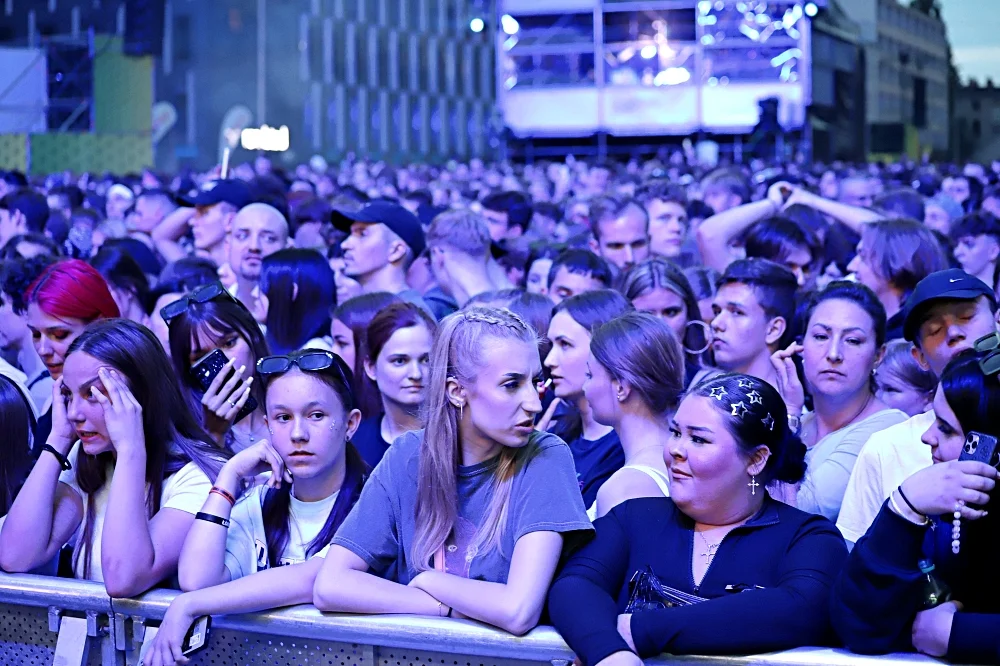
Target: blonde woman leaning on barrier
{"points": [[469, 517]]}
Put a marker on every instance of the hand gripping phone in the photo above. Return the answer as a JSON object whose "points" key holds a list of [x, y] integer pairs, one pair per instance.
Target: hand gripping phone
{"points": [[197, 636], [981, 447], [205, 371]]}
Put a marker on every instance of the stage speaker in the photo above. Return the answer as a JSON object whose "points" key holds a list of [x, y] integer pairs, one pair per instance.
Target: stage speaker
{"points": [[144, 27]]}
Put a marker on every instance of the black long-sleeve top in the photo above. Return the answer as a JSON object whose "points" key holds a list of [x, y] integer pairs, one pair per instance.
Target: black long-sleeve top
{"points": [[879, 592], [792, 555]]}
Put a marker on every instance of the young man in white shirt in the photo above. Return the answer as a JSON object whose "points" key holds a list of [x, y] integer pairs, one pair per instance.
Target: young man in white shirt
{"points": [[944, 316]]}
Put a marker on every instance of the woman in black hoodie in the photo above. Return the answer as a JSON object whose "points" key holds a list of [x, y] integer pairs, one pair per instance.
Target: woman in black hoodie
{"points": [[878, 600]]}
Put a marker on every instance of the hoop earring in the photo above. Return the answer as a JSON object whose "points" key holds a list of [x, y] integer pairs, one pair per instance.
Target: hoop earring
{"points": [[706, 334]]}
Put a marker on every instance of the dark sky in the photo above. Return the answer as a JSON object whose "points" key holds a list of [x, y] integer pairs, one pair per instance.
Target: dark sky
{"points": [[974, 32]]}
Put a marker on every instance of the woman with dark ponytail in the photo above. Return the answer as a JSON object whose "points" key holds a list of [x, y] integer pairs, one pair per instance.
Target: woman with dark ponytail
{"points": [[278, 528], [762, 569]]}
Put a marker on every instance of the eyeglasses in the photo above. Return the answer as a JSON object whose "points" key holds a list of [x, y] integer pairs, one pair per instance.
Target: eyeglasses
{"points": [[203, 294], [308, 361]]}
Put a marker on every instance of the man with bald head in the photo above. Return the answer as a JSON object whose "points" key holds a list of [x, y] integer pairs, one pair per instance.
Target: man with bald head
{"points": [[257, 231]]}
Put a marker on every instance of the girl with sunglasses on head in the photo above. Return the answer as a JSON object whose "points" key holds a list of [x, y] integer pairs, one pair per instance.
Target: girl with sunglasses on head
{"points": [[278, 530], [120, 469], [397, 349], [469, 517], [204, 320]]}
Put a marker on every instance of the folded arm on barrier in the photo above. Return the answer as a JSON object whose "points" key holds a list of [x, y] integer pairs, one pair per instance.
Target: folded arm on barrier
{"points": [[456, 637]]}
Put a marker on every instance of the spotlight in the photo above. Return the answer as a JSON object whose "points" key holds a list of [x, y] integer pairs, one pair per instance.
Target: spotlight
{"points": [[476, 25], [509, 24], [811, 9], [648, 51]]}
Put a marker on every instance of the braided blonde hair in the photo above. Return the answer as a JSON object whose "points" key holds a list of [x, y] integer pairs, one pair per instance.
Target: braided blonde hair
{"points": [[457, 354]]}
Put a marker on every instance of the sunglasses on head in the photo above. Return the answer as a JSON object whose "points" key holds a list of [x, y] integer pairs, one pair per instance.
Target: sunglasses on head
{"points": [[203, 294], [989, 364], [307, 361]]}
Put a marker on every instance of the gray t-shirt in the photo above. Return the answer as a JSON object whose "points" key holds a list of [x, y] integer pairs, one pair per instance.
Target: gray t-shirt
{"points": [[545, 497]]}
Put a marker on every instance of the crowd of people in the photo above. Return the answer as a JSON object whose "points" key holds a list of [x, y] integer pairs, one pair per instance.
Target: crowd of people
{"points": [[515, 394]]}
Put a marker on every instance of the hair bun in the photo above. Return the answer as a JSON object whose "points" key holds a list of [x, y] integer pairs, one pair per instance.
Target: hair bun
{"points": [[790, 467]]}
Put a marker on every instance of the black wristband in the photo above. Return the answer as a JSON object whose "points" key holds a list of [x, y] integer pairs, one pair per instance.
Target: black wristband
{"points": [[909, 503], [211, 518], [63, 460]]}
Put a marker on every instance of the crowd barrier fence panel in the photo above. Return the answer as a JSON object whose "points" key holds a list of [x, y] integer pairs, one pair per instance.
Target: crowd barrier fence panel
{"points": [[37, 614]]}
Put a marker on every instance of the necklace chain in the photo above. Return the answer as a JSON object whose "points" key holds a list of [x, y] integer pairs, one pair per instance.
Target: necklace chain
{"points": [[713, 548]]}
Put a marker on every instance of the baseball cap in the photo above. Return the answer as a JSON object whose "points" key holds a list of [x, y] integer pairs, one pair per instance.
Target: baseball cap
{"points": [[952, 284], [402, 222], [233, 192]]}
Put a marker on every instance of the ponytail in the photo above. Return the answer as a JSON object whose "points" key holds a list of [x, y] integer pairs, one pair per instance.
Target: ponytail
{"points": [[789, 465]]}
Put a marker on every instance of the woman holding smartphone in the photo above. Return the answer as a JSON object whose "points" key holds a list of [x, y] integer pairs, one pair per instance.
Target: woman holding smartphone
{"points": [[260, 553], [120, 469], [470, 516], [201, 322], [943, 514]]}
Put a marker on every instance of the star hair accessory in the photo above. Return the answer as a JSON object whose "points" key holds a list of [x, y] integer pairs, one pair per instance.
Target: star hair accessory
{"points": [[718, 392], [745, 383], [755, 398], [739, 409], [768, 421]]}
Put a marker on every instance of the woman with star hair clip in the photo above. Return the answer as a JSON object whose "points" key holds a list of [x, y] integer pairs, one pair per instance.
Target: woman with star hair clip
{"points": [[740, 559]]}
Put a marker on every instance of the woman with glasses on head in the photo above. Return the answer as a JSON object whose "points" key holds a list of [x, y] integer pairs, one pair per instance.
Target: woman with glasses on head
{"points": [[204, 320], [278, 530], [760, 570], [660, 288], [469, 517], [120, 469]]}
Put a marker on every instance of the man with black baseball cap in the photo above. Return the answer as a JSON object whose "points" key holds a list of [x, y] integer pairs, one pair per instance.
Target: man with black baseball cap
{"points": [[384, 239], [208, 214], [944, 316]]}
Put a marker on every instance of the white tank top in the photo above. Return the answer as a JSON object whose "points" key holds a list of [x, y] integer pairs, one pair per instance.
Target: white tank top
{"points": [[658, 477]]}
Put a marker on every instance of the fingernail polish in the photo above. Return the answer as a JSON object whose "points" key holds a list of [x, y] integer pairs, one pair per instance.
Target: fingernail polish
{"points": [[242, 368]]}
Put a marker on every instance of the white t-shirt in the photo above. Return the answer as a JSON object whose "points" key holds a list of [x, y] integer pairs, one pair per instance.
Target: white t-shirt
{"points": [[246, 545], [888, 458], [184, 490]]}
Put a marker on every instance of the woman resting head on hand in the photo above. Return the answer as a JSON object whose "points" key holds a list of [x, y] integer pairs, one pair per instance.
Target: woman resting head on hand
{"points": [[467, 517], [729, 439], [877, 600], [123, 460], [316, 477]]}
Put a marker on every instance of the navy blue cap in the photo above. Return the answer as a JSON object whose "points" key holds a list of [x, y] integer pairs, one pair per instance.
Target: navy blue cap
{"points": [[951, 284], [233, 192], [402, 222]]}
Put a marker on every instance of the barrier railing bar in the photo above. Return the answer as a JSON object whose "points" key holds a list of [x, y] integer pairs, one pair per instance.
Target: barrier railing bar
{"points": [[426, 634]]}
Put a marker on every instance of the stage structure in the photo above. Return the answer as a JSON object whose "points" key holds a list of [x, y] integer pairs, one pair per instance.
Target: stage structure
{"points": [[578, 68]]}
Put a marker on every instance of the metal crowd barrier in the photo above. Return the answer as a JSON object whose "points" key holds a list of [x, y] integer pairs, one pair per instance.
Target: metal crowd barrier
{"points": [[66, 622]]}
